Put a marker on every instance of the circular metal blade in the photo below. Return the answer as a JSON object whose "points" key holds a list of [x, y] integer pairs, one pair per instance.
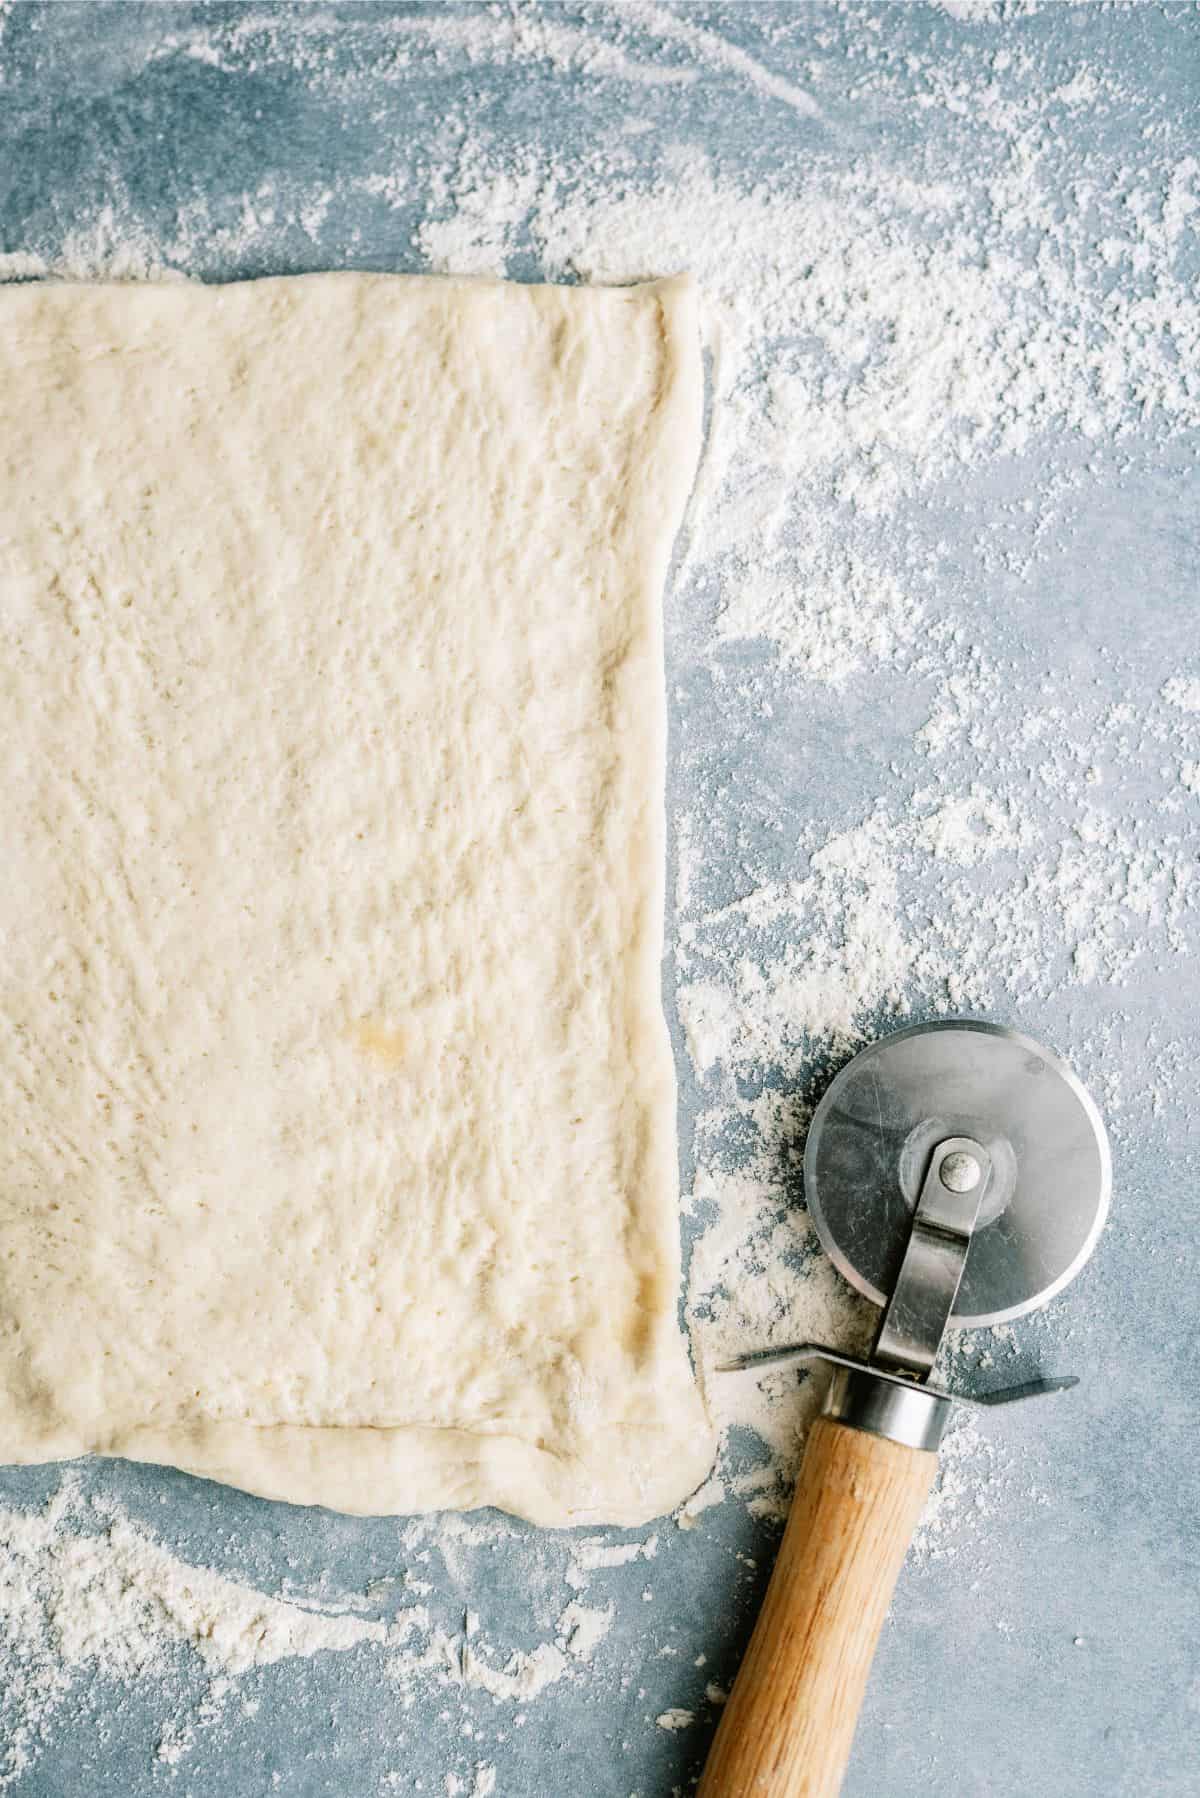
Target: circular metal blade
{"points": [[869, 1145]]}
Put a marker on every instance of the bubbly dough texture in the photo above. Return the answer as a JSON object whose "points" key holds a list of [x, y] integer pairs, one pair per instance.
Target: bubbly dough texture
{"points": [[338, 1149]]}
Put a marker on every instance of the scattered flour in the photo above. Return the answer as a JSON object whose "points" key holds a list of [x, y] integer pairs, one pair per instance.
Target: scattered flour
{"points": [[712, 1492], [83, 1592], [663, 25], [483, 1783], [1183, 692], [884, 348], [582, 1628], [597, 1551], [522, 1677]]}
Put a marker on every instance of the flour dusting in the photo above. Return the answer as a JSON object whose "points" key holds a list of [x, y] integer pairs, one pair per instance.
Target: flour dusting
{"points": [[930, 374], [83, 1591]]}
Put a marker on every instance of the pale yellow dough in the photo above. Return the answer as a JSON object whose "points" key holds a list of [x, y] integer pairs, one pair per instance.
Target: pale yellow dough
{"points": [[337, 1156]]}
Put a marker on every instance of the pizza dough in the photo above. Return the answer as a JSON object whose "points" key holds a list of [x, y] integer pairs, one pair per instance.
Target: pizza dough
{"points": [[338, 1151]]}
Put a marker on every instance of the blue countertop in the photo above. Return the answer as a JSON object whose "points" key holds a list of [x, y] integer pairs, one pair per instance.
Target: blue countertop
{"points": [[1054, 1650]]}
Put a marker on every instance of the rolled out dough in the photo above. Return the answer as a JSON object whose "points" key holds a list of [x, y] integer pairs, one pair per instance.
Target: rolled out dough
{"points": [[338, 1155]]}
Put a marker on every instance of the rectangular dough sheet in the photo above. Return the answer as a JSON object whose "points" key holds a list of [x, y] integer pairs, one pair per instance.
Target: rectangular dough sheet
{"points": [[338, 1150]]}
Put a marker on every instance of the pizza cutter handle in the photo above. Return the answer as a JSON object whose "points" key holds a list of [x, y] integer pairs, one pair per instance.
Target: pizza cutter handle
{"points": [[789, 1724]]}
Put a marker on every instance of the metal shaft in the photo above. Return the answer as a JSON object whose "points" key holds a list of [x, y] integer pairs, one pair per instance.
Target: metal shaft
{"points": [[887, 1407], [931, 1272]]}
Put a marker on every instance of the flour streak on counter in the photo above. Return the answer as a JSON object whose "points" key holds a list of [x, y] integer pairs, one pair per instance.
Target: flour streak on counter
{"points": [[975, 345], [87, 1594], [83, 1592]]}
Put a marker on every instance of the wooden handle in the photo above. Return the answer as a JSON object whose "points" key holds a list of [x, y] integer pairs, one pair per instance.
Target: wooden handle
{"points": [[789, 1724]]}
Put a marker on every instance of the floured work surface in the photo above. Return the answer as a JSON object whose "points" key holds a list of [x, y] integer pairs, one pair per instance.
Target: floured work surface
{"points": [[338, 1157]]}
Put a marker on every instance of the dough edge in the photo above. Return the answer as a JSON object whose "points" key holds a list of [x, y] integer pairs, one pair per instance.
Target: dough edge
{"points": [[413, 1469]]}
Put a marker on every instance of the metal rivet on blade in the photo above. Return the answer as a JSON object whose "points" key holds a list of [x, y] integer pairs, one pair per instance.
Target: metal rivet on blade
{"points": [[959, 1172]]}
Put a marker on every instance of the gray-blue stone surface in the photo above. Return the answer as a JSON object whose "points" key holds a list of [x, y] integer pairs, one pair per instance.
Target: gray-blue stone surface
{"points": [[1057, 1652]]}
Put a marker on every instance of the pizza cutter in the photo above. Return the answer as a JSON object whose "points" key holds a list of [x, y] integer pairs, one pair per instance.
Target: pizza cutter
{"points": [[958, 1175]]}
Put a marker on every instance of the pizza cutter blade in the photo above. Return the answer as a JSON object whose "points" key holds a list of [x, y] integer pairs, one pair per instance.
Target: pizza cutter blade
{"points": [[1047, 1195], [958, 1175]]}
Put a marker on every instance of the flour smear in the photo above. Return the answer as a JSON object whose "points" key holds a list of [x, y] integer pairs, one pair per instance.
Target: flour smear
{"points": [[905, 356]]}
